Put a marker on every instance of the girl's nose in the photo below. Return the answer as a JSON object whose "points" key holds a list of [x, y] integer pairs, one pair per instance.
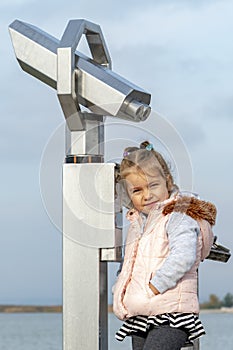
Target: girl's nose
{"points": [[147, 194]]}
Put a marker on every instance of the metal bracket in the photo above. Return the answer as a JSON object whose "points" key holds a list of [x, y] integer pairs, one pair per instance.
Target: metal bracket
{"points": [[66, 72]]}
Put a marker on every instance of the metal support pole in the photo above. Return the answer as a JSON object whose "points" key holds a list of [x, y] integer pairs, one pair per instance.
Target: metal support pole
{"points": [[85, 322], [88, 224]]}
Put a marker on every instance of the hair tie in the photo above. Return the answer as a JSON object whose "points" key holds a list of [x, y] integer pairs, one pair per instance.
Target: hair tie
{"points": [[125, 154], [149, 147], [130, 150]]}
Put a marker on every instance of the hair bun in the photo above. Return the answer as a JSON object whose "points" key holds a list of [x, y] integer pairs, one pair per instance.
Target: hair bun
{"points": [[146, 145]]}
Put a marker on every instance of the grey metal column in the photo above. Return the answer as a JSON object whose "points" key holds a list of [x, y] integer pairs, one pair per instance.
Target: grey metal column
{"points": [[89, 235], [88, 224]]}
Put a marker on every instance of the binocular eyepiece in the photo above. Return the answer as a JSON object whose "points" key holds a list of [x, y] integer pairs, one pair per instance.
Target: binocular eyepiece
{"points": [[137, 111]]}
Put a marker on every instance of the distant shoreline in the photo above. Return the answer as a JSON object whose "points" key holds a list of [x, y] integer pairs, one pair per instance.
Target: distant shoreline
{"points": [[29, 308], [222, 310], [34, 308], [58, 309]]}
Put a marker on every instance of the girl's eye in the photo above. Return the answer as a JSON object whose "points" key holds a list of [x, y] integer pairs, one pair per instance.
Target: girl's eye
{"points": [[153, 185], [136, 190]]}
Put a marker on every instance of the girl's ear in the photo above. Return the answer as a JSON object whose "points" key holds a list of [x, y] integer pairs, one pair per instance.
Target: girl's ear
{"points": [[169, 182]]}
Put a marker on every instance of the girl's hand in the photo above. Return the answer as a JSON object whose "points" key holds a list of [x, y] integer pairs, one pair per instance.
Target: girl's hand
{"points": [[154, 290]]}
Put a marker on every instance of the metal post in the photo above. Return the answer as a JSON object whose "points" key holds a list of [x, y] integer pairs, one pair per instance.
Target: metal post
{"points": [[88, 226], [86, 220]]}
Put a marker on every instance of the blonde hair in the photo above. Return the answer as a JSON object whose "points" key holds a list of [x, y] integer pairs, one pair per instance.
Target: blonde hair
{"points": [[146, 161]]}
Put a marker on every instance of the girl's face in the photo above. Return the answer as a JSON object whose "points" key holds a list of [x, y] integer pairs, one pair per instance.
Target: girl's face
{"points": [[146, 191]]}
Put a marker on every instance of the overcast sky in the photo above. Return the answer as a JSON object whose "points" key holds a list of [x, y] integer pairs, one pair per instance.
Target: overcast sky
{"points": [[179, 51]]}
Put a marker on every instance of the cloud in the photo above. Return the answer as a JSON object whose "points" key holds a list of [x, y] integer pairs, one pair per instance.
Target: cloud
{"points": [[191, 131], [221, 108], [179, 26], [7, 4]]}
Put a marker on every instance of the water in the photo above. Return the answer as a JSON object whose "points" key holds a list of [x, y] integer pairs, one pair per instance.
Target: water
{"points": [[219, 331], [43, 331], [31, 331]]}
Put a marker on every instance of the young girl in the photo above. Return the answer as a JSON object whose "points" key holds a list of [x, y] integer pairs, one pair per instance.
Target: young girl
{"points": [[156, 290]]}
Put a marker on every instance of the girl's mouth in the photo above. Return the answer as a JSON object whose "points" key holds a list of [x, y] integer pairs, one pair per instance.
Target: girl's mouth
{"points": [[152, 203]]}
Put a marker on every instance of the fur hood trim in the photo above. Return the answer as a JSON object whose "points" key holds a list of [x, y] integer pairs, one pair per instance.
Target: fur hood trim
{"points": [[193, 207]]}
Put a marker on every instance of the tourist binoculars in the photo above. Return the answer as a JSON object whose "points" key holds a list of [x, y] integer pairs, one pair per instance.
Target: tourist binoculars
{"points": [[78, 79], [218, 252]]}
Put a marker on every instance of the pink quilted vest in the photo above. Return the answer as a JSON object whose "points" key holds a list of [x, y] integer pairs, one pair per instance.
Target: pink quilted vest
{"points": [[144, 255]]}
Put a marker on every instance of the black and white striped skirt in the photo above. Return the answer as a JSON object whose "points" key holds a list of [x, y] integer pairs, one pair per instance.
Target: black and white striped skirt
{"points": [[190, 323]]}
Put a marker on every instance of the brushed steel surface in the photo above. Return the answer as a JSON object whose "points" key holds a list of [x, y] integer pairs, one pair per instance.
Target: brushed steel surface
{"points": [[93, 85], [88, 204]]}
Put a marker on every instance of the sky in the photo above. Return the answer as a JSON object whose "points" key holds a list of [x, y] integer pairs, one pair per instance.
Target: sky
{"points": [[179, 51]]}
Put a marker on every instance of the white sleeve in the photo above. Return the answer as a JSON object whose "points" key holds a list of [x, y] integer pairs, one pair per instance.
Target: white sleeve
{"points": [[182, 233]]}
